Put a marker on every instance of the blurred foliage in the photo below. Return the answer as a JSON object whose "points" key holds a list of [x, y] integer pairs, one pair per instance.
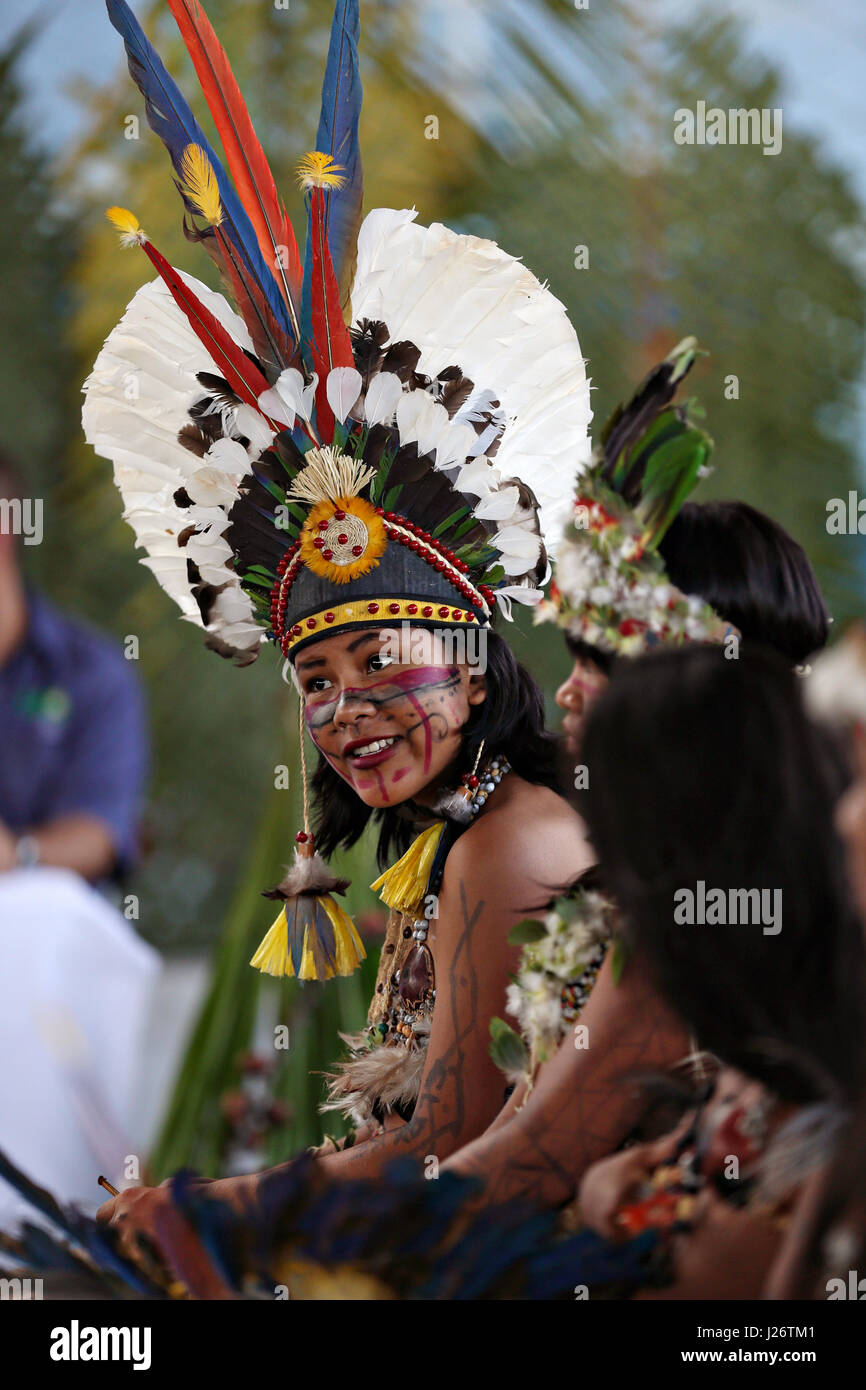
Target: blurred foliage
{"points": [[555, 130], [37, 251]]}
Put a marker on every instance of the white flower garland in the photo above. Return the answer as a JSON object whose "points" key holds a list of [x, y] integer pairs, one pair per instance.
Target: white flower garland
{"points": [[557, 971], [612, 593]]}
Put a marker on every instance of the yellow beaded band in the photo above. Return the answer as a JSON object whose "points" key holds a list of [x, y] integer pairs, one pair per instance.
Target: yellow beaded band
{"points": [[382, 610]]}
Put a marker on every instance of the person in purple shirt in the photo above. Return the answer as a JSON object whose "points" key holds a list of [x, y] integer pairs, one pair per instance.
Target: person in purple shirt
{"points": [[73, 741]]}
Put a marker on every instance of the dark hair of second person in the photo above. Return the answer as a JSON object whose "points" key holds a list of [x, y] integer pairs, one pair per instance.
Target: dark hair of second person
{"points": [[707, 769]]}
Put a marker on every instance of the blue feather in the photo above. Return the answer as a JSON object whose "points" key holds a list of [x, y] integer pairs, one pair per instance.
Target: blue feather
{"points": [[171, 118], [338, 136]]}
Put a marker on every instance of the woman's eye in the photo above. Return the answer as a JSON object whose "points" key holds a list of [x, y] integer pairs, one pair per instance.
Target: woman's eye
{"points": [[378, 661], [316, 684]]}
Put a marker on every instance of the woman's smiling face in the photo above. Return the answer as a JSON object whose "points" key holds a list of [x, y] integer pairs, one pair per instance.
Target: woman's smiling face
{"points": [[390, 730]]}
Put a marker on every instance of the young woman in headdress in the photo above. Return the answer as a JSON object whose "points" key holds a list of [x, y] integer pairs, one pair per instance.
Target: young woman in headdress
{"points": [[368, 498]]}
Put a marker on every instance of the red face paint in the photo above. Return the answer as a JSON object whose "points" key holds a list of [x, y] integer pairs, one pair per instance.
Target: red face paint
{"points": [[417, 709]]}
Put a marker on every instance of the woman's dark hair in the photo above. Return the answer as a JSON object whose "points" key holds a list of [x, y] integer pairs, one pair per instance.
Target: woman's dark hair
{"points": [[707, 769], [510, 721], [586, 651], [747, 567]]}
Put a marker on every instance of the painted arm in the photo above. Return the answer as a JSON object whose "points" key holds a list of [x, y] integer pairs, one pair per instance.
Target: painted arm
{"points": [[461, 1089], [582, 1104]]}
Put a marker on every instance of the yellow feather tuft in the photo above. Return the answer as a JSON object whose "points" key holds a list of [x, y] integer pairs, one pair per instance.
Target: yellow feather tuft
{"points": [[274, 957], [317, 170], [200, 184], [405, 883], [125, 222]]}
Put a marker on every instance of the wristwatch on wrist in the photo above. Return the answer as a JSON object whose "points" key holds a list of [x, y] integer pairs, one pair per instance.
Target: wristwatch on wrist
{"points": [[26, 851]]}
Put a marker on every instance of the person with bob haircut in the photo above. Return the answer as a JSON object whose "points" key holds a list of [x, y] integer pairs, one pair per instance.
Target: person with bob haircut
{"points": [[746, 567], [749, 791]]}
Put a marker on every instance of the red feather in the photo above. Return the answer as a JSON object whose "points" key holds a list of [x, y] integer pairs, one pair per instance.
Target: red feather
{"points": [[244, 155], [242, 375], [273, 349], [331, 345]]}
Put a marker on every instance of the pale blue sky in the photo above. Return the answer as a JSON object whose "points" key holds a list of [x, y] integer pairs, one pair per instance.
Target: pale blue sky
{"points": [[820, 50]]}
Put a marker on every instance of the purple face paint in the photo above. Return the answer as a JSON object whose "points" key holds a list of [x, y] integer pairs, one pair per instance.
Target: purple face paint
{"points": [[403, 685], [392, 697]]}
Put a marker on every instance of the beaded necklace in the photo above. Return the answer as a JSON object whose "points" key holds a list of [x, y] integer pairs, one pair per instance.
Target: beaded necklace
{"points": [[412, 987]]}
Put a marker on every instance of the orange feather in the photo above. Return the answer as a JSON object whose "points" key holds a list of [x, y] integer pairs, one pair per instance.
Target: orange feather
{"points": [[244, 155]]}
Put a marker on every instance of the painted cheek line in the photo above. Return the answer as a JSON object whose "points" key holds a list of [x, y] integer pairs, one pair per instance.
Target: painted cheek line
{"points": [[425, 720], [317, 716], [365, 786], [400, 774], [405, 682], [334, 763]]}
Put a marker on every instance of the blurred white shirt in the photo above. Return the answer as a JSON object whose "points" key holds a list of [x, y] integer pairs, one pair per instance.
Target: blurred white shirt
{"points": [[76, 983]]}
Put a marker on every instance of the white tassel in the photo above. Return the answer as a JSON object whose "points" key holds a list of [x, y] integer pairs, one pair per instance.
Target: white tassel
{"points": [[329, 474]]}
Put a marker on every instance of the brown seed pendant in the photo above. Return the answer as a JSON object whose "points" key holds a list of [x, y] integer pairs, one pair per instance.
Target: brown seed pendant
{"points": [[416, 975]]}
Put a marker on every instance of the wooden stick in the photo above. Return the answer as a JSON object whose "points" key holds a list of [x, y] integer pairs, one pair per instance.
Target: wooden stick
{"points": [[103, 1182]]}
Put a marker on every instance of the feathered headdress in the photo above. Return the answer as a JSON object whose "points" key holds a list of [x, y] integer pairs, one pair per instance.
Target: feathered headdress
{"points": [[379, 433], [611, 590]]}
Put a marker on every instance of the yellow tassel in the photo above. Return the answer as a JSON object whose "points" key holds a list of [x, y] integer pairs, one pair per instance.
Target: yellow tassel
{"points": [[200, 184], [125, 222], [275, 958], [405, 883]]}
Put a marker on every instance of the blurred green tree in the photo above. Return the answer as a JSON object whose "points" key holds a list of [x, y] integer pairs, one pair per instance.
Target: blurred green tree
{"points": [[37, 249]]}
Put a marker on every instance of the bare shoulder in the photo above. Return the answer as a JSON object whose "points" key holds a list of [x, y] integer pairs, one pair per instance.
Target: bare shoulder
{"points": [[526, 842]]}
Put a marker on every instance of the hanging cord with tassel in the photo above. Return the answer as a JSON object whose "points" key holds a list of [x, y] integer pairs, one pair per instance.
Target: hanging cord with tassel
{"points": [[312, 938]]}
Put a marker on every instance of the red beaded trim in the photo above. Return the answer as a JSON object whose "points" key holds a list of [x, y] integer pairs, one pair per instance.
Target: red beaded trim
{"points": [[415, 538], [287, 571], [397, 528]]}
